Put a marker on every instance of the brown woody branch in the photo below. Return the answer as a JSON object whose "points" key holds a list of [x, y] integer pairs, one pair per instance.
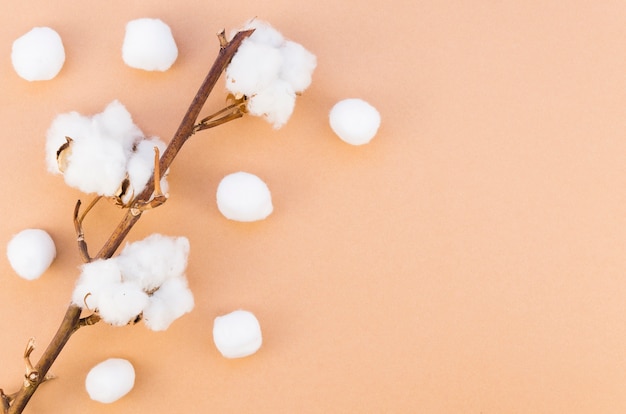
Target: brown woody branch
{"points": [[72, 321]]}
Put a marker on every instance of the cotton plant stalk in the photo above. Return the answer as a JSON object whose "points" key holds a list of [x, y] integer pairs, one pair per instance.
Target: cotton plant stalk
{"points": [[150, 197]]}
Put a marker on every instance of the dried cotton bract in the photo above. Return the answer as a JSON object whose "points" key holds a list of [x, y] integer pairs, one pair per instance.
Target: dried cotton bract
{"points": [[147, 278], [269, 70], [110, 380], [97, 154], [149, 45], [38, 55], [31, 252]]}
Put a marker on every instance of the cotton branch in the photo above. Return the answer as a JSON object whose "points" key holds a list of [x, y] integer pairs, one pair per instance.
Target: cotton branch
{"points": [[72, 321]]}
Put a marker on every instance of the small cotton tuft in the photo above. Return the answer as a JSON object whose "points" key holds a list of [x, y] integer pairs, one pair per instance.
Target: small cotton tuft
{"points": [[237, 334], [31, 252], [354, 121], [149, 45], [110, 380], [38, 55], [171, 301], [244, 197]]}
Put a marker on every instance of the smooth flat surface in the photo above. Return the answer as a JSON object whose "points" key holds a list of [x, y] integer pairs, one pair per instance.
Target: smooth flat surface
{"points": [[470, 259]]}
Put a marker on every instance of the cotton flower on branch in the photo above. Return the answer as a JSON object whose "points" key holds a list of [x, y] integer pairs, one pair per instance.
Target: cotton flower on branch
{"points": [[270, 71], [146, 279], [106, 154]]}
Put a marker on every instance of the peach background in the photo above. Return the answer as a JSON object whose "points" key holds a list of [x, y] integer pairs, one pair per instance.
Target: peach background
{"points": [[470, 259]]}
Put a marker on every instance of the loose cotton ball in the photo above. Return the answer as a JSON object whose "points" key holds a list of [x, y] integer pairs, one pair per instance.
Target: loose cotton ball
{"points": [[244, 197], [354, 121], [38, 55], [237, 334], [149, 45], [110, 380], [31, 252]]}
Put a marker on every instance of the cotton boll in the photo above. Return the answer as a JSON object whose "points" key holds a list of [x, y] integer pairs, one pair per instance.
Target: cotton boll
{"points": [[244, 197], [237, 334], [31, 252], [110, 380], [298, 65], [153, 260], [354, 121], [171, 301], [253, 68], [38, 55], [95, 278], [96, 165], [274, 103], [120, 303], [149, 45]]}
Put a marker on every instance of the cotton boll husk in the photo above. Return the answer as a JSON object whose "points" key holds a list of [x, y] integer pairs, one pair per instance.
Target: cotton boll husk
{"points": [[171, 301], [141, 165], [116, 123], [149, 45], [274, 103], [31, 252], [120, 303], [153, 260], [96, 165], [237, 334], [110, 380], [94, 279], [71, 124], [354, 121], [242, 196], [38, 55], [298, 65], [254, 67]]}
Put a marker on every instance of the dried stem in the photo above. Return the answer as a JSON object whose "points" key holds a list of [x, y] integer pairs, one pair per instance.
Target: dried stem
{"points": [[71, 321]]}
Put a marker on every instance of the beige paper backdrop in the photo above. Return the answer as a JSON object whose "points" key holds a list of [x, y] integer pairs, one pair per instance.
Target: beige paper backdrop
{"points": [[470, 259]]}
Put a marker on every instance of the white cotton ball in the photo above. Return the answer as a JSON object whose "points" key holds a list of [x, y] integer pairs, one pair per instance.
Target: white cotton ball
{"points": [[298, 65], [274, 103], [95, 278], [120, 303], [354, 121], [171, 301], [31, 252], [153, 260], [110, 380], [38, 55], [242, 196], [237, 334], [254, 67], [149, 45]]}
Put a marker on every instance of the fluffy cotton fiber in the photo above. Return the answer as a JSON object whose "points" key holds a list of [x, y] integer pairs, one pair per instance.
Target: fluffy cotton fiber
{"points": [[31, 252], [110, 380], [237, 334], [38, 55], [242, 196], [149, 45], [354, 121]]}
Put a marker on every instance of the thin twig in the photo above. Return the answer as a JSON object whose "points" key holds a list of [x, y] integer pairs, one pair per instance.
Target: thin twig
{"points": [[71, 320]]}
